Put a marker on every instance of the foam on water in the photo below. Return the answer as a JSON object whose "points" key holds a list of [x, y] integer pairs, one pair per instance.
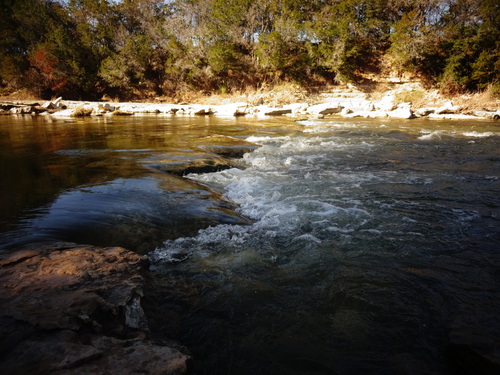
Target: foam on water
{"points": [[432, 135], [300, 188], [276, 191], [476, 134], [438, 134], [366, 242]]}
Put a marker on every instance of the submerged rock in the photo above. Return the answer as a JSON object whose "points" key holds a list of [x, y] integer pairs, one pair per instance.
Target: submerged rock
{"points": [[75, 309], [182, 165], [225, 146]]}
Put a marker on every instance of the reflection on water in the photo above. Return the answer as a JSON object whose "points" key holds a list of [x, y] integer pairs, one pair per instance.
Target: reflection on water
{"points": [[371, 246], [136, 213], [90, 180]]}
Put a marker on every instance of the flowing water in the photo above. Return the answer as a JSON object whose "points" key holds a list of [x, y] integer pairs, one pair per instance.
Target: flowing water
{"points": [[335, 247]]}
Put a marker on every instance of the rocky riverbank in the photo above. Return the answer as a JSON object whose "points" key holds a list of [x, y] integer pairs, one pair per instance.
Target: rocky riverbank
{"points": [[406, 101], [74, 309]]}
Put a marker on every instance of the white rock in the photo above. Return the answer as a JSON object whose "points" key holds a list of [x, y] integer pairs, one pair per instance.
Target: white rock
{"points": [[201, 111], [448, 108], [325, 109], [387, 103], [424, 111], [487, 114], [353, 114], [64, 113], [83, 110], [376, 114], [359, 105], [402, 111], [49, 105], [194, 109], [232, 109], [298, 108]]}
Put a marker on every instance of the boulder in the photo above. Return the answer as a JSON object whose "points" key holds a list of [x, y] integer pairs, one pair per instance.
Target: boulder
{"points": [[376, 114], [64, 113], [325, 109], [23, 110], [448, 109], [359, 106], [72, 309], [423, 112], [53, 105], [346, 111], [403, 110], [298, 108], [201, 111], [120, 112], [105, 108], [80, 111], [487, 114], [194, 110], [232, 109], [277, 111], [49, 105], [387, 103]]}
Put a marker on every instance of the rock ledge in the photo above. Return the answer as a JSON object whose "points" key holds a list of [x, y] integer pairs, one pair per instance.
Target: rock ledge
{"points": [[72, 309]]}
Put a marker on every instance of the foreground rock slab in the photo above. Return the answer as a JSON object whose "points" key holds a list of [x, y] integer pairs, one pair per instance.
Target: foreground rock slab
{"points": [[70, 309]]}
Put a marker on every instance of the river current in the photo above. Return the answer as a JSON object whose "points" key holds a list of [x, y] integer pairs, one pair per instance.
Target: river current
{"points": [[332, 247]]}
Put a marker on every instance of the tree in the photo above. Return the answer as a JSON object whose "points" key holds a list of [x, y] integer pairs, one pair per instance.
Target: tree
{"points": [[471, 45], [352, 34], [85, 48]]}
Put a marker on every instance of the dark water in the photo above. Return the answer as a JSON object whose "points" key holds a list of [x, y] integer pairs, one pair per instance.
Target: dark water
{"points": [[107, 181], [367, 247]]}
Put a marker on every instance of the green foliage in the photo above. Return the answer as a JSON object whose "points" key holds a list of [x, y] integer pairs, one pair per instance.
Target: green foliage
{"points": [[223, 57], [354, 40], [272, 52], [132, 68], [87, 48], [406, 43], [472, 46]]}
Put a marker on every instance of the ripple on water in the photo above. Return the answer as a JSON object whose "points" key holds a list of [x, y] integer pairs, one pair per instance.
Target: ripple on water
{"points": [[372, 251], [134, 213]]}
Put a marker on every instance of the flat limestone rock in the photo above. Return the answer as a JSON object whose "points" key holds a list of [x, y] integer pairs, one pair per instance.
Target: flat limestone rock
{"points": [[75, 309]]}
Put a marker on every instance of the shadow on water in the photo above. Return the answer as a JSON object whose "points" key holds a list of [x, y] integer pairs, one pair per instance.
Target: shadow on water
{"points": [[135, 213]]}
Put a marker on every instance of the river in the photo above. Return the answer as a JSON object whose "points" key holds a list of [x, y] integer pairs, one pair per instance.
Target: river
{"points": [[314, 247]]}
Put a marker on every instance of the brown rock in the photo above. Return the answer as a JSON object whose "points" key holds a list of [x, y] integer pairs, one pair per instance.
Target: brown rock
{"points": [[76, 309]]}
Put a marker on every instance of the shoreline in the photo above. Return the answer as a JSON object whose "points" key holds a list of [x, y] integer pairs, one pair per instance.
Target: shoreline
{"points": [[407, 101], [78, 309]]}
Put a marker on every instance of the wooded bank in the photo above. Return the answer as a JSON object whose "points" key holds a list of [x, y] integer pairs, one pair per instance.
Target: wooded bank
{"points": [[85, 49]]}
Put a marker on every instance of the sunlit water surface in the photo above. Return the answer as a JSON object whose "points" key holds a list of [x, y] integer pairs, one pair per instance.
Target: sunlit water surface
{"points": [[338, 247]]}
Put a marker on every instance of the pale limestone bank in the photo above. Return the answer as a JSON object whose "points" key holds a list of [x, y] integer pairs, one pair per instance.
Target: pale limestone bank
{"points": [[345, 103]]}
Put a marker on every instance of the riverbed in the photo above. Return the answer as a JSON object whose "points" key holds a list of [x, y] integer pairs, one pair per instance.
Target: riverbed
{"points": [[332, 246]]}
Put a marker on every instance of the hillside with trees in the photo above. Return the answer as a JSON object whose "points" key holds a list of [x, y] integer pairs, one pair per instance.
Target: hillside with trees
{"points": [[84, 49]]}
